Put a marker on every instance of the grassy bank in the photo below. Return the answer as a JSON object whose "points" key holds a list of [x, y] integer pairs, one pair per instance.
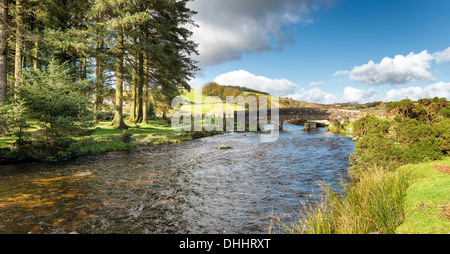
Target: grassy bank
{"points": [[412, 200], [427, 199], [104, 138]]}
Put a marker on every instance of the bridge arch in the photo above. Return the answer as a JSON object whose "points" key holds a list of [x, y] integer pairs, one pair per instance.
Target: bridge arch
{"points": [[307, 114]]}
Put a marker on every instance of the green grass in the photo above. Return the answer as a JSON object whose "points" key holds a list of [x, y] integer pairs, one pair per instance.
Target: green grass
{"points": [[209, 104], [427, 199], [104, 131], [105, 138], [375, 204]]}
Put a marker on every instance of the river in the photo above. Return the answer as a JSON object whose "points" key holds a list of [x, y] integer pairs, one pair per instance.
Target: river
{"points": [[192, 187]]}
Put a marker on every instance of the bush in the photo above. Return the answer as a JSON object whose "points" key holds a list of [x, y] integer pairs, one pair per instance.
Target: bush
{"points": [[126, 136], [104, 115], [414, 135], [14, 121], [370, 125], [58, 104], [54, 108]]}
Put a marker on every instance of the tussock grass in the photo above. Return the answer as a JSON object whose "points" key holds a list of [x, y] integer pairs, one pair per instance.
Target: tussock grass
{"points": [[374, 204]]}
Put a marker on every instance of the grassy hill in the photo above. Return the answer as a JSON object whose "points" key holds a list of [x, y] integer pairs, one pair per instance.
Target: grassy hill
{"points": [[212, 105]]}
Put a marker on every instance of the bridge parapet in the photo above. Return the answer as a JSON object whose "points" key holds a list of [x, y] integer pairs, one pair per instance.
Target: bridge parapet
{"points": [[341, 114]]}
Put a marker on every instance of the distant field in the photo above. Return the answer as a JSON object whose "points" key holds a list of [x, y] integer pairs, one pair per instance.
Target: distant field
{"points": [[212, 105]]}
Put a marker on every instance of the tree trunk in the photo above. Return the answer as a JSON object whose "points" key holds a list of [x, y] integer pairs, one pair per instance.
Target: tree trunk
{"points": [[80, 70], [145, 94], [84, 68], [98, 79], [133, 94], [140, 107], [145, 74], [35, 48], [3, 49], [36, 56], [19, 47], [118, 118]]}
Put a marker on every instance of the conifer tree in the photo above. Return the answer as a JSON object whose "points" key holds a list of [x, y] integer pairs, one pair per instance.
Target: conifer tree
{"points": [[18, 60], [144, 44], [3, 50]]}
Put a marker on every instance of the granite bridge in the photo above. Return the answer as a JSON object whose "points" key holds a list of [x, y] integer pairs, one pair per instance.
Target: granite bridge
{"points": [[312, 116]]}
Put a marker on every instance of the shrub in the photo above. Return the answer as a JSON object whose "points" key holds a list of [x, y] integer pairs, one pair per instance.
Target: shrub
{"points": [[56, 102], [126, 136], [413, 136], [56, 107], [375, 150], [370, 125], [14, 121]]}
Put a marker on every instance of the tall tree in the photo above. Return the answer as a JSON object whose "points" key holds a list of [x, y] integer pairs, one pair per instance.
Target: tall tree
{"points": [[140, 88], [3, 50], [118, 118], [18, 60], [167, 46]]}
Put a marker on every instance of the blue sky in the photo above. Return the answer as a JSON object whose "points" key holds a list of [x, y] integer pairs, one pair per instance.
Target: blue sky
{"points": [[326, 51]]}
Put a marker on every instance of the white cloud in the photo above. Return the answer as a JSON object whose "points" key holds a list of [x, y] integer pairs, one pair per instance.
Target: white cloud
{"points": [[197, 82], [316, 83], [352, 94], [340, 73], [399, 70], [228, 29], [315, 95], [440, 89], [443, 56], [277, 87]]}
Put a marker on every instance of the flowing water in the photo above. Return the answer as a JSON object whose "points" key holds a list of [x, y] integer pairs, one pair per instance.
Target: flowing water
{"points": [[192, 187]]}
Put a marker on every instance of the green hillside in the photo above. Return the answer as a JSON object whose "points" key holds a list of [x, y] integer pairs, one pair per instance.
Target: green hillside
{"points": [[213, 97]]}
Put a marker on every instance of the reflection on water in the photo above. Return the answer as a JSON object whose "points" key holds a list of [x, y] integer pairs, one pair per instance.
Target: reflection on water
{"points": [[191, 187]]}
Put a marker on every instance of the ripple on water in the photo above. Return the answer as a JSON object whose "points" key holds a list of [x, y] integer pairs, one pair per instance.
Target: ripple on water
{"points": [[191, 187]]}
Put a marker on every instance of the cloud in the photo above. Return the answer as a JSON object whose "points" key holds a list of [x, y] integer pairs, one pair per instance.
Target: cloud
{"points": [[316, 83], [352, 94], [443, 56], [399, 70], [440, 89], [314, 95], [277, 87], [228, 29], [340, 73]]}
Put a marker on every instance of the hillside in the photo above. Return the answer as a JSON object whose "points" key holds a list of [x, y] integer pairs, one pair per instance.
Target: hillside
{"points": [[377, 109], [214, 89]]}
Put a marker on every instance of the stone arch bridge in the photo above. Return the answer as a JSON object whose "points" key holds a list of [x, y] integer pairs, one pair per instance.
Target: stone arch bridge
{"points": [[312, 116]]}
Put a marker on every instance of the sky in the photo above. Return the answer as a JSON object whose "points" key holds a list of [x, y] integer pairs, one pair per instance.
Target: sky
{"points": [[326, 51]]}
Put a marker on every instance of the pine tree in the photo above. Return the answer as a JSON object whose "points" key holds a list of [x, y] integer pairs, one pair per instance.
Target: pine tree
{"points": [[3, 50], [118, 118], [168, 66], [18, 60]]}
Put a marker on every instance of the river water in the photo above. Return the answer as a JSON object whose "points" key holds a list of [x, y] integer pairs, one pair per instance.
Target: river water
{"points": [[192, 187]]}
